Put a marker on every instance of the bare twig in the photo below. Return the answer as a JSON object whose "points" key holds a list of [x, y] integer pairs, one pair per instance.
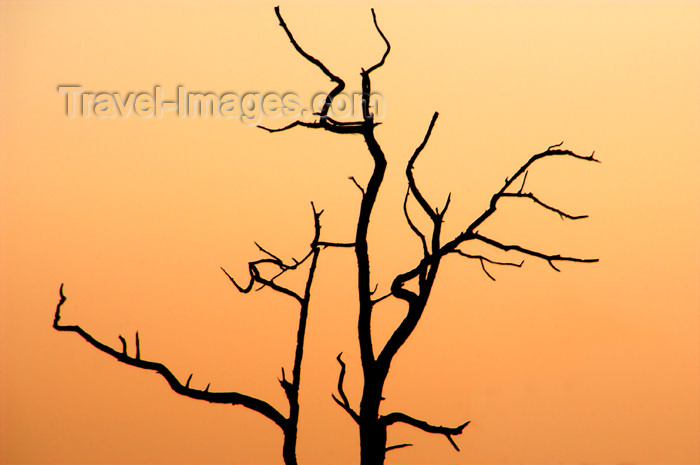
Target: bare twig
{"points": [[340, 83], [376, 301], [343, 401], [532, 197], [446, 431], [362, 189], [386, 41], [409, 171], [413, 227], [397, 446], [483, 259]]}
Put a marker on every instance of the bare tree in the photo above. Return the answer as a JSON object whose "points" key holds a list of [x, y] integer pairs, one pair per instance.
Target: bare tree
{"points": [[289, 423], [376, 361]]}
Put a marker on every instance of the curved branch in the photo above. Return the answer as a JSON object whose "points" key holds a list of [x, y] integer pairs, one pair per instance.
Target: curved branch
{"points": [[241, 289], [315, 61], [343, 401], [483, 259], [231, 398], [446, 431], [386, 41], [470, 232], [413, 227], [409, 172]]}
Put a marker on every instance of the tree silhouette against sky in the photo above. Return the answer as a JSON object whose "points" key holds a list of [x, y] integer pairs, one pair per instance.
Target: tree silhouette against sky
{"points": [[412, 287]]}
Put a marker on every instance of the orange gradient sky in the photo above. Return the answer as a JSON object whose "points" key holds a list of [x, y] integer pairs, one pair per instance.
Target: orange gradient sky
{"points": [[598, 364]]}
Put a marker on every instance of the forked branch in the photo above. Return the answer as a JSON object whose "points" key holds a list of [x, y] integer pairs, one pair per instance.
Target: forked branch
{"points": [[483, 259], [340, 84], [343, 401], [471, 232], [446, 431]]}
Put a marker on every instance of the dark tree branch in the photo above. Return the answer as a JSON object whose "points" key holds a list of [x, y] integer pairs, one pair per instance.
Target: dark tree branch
{"points": [[448, 432], [346, 245], [343, 401], [325, 123], [273, 285], [256, 277], [138, 347], [241, 289], [397, 446], [340, 84], [376, 301], [413, 227], [470, 232], [532, 197], [409, 173], [483, 259], [548, 258], [550, 152], [231, 398], [522, 186], [386, 41], [275, 258], [362, 189], [397, 288]]}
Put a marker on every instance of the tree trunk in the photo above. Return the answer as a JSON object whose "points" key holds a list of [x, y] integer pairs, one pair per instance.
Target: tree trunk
{"points": [[290, 444], [372, 430]]}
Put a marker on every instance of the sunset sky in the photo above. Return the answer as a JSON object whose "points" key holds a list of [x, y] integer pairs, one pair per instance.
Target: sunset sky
{"points": [[598, 364]]}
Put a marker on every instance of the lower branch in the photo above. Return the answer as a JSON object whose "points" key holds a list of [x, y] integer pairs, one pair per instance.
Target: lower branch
{"points": [[397, 446], [446, 431], [231, 398]]}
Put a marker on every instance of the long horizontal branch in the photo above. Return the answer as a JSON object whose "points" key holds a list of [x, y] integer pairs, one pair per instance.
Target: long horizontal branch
{"points": [[548, 258], [448, 432], [531, 196], [324, 123], [231, 398]]}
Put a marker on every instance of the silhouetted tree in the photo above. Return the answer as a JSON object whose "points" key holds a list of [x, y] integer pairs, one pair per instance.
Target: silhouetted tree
{"points": [[375, 362], [289, 423]]}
